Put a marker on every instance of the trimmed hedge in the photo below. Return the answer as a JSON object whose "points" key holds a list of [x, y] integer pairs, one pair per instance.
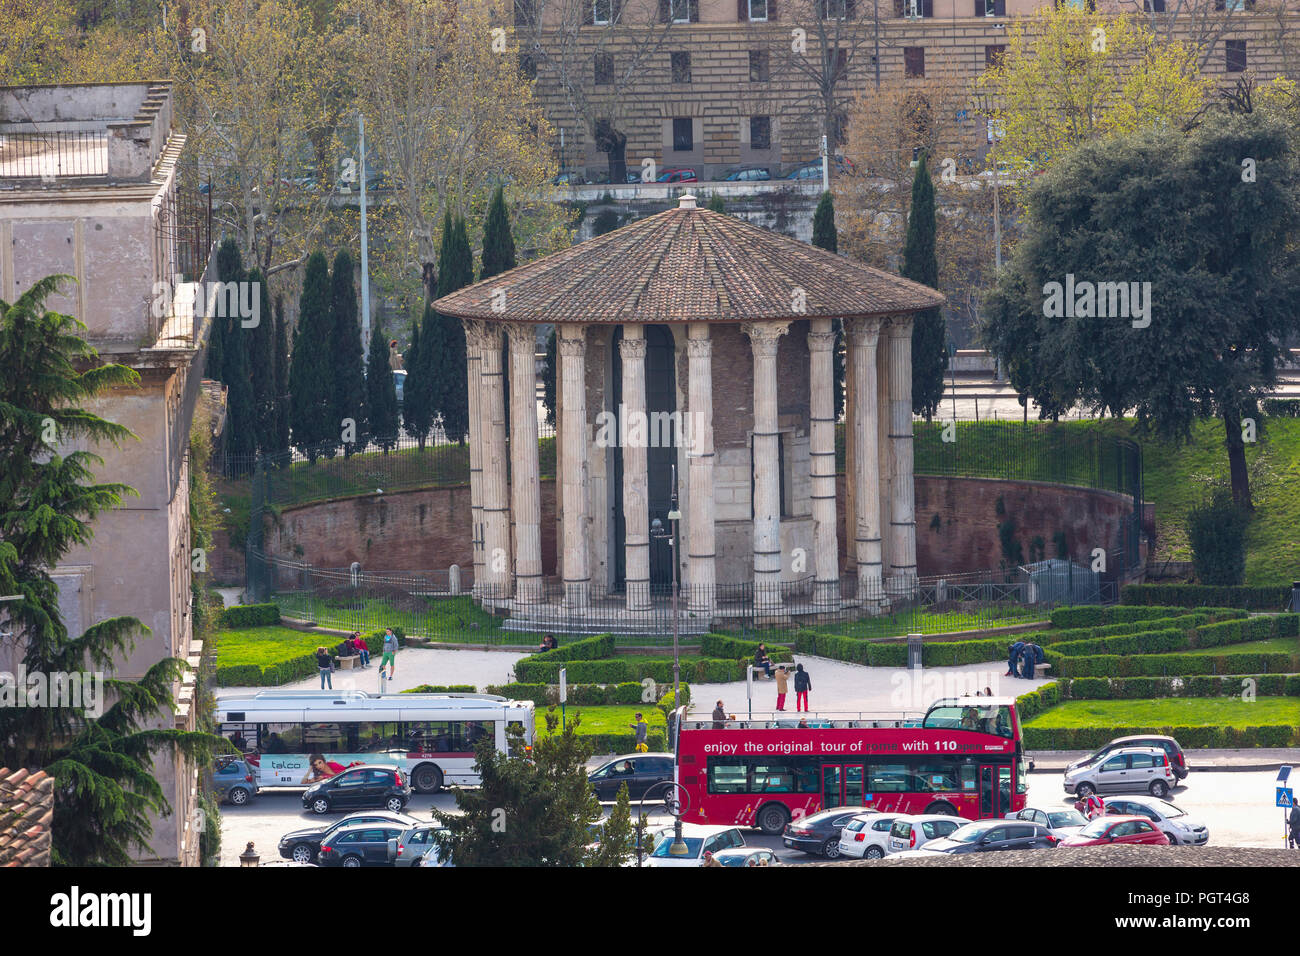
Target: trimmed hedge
{"points": [[1146, 688], [584, 649], [733, 648], [547, 695], [1273, 598], [1089, 738], [249, 615], [852, 649], [1172, 665], [622, 743], [631, 667], [251, 675], [1036, 701], [1094, 615], [449, 689]]}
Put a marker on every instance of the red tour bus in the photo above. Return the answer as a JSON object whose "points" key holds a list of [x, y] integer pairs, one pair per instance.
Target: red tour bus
{"points": [[964, 757]]}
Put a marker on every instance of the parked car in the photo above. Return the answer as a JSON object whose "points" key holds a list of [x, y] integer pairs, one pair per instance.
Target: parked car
{"points": [[1169, 819], [819, 833], [806, 171], [410, 846], [360, 787], [302, 845], [1062, 822], [913, 831], [1124, 769], [985, 836], [362, 844], [676, 174], [747, 856], [234, 782], [1177, 759], [1106, 830], [699, 839], [569, 178], [639, 771], [866, 836], [748, 174]]}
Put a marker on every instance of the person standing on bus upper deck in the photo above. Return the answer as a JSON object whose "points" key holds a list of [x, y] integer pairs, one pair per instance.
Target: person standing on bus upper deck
{"points": [[802, 684], [782, 685], [390, 652], [719, 717]]}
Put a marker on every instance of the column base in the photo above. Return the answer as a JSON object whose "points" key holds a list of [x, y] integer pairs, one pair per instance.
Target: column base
{"points": [[826, 593], [902, 584], [638, 595], [577, 594], [529, 591], [767, 593], [870, 588]]}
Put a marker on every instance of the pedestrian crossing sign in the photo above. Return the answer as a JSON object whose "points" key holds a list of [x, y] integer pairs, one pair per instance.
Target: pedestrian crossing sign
{"points": [[1285, 799]]}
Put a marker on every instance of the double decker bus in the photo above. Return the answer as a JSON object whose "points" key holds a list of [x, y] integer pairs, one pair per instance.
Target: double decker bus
{"points": [[429, 737], [963, 757]]}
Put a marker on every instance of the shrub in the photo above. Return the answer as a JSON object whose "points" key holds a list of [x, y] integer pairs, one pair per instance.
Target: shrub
{"points": [[249, 615], [240, 675], [1272, 598], [1281, 407], [1090, 688], [540, 694], [584, 649], [722, 646], [296, 668], [1216, 530], [852, 649], [447, 689], [945, 653]]}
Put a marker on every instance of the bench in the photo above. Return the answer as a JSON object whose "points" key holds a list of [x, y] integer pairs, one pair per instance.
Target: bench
{"points": [[1040, 670], [349, 662]]}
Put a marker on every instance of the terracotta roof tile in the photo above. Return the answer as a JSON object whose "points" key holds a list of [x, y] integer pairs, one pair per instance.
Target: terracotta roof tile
{"points": [[26, 815]]}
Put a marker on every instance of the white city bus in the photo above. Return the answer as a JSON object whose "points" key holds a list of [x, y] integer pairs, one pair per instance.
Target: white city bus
{"points": [[430, 737]]}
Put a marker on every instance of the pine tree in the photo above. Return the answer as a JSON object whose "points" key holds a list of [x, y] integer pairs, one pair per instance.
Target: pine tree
{"points": [[498, 242], [617, 841], [105, 788], [280, 431], [929, 332], [824, 233], [345, 351], [381, 393], [262, 356], [311, 392], [449, 363], [418, 396]]}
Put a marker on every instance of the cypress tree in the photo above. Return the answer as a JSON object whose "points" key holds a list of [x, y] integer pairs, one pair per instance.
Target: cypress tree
{"points": [[311, 393], [345, 350], [498, 243], [229, 269], [929, 333], [417, 397], [716, 203], [279, 445], [452, 358], [548, 378], [241, 405], [381, 393], [826, 237], [262, 356]]}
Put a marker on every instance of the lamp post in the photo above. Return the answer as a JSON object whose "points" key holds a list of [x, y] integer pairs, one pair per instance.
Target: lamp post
{"points": [[659, 532], [249, 857]]}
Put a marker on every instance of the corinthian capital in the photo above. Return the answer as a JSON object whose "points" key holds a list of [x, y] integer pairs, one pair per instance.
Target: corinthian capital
{"points": [[521, 336], [632, 350], [764, 337], [571, 340]]}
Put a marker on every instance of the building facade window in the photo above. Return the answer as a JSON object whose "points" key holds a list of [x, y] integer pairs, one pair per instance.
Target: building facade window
{"points": [[604, 69], [993, 54], [755, 10], [683, 135], [523, 13], [1235, 53], [1234, 5], [528, 65], [837, 63], [683, 11], [1153, 6], [602, 11], [914, 61], [914, 9], [681, 67], [758, 68], [990, 8], [760, 132]]}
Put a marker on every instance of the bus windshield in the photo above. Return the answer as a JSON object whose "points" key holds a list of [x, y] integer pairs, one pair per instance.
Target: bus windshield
{"points": [[993, 719]]}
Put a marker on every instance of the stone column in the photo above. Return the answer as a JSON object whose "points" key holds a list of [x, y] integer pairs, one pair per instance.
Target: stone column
{"points": [[884, 447], [634, 433], [821, 351], [571, 345], [764, 338], [473, 341], [700, 537], [862, 335], [902, 553], [525, 490], [496, 500]]}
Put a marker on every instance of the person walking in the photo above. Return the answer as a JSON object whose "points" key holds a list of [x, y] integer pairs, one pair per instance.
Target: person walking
{"points": [[782, 683], [326, 668], [1295, 827], [719, 717], [390, 652], [641, 730], [802, 684]]}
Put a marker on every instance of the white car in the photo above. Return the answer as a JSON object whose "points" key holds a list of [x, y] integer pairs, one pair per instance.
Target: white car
{"points": [[1170, 820], [699, 840], [915, 830], [1061, 821], [866, 836]]}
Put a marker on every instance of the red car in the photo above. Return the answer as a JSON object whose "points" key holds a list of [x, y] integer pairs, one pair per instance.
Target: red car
{"points": [[1104, 831]]}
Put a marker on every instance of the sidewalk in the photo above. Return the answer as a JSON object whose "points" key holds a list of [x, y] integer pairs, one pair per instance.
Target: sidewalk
{"points": [[1251, 759]]}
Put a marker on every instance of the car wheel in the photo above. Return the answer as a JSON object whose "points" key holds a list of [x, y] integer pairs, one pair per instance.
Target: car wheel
{"points": [[831, 848], [874, 853], [426, 778], [1159, 789], [238, 796], [352, 860], [395, 804], [773, 818], [1083, 789], [302, 853], [320, 805], [942, 806]]}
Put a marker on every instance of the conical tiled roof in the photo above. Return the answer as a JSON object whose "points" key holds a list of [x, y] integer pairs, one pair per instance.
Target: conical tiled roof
{"points": [[688, 265]]}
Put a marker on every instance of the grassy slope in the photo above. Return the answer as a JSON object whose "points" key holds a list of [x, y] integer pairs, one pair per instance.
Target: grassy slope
{"points": [[1172, 712], [607, 719], [267, 645]]}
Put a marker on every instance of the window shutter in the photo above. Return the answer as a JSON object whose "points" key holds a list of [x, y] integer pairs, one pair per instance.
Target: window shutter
{"points": [[665, 11], [616, 11], [693, 11], [771, 9], [742, 11], [979, 8], [898, 8], [999, 8], [850, 10], [588, 13], [927, 8]]}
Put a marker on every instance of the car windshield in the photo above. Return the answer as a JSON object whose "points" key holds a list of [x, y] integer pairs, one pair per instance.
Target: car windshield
{"points": [[693, 845], [1066, 818], [855, 825], [734, 859], [1096, 828], [970, 833], [1167, 809]]}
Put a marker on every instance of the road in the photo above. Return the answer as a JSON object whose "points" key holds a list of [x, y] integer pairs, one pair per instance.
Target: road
{"points": [[1237, 807]]}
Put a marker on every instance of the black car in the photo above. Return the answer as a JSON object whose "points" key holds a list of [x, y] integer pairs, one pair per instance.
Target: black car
{"points": [[301, 846], [1177, 760], [819, 834], [359, 788], [986, 835], [639, 771], [364, 844]]}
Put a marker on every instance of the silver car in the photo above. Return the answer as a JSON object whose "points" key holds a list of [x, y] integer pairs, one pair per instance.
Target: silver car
{"points": [[1060, 821], [1170, 820], [412, 846], [1125, 769]]}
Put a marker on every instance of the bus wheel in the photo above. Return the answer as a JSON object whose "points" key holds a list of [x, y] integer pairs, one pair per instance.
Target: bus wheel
{"points": [[773, 818], [426, 778], [942, 806]]}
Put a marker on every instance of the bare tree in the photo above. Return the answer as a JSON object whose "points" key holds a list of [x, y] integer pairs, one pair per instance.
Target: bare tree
{"points": [[1199, 23]]}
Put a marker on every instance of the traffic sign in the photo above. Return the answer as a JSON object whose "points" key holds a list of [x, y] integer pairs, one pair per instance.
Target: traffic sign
{"points": [[1282, 773], [1285, 798]]}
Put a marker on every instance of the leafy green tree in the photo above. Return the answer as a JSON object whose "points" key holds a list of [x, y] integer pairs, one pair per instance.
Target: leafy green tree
{"points": [[498, 242], [929, 332], [525, 812], [418, 411], [1155, 278], [280, 430], [262, 358], [105, 787], [1216, 530], [311, 388], [381, 392], [449, 363], [345, 351]]}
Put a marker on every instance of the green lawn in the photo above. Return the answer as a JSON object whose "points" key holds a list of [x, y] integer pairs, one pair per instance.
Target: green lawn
{"points": [[451, 619], [1272, 645], [607, 718], [1171, 712], [265, 646], [925, 622]]}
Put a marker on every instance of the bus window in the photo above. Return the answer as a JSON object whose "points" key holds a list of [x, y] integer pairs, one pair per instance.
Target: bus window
{"points": [[728, 775], [375, 737], [938, 777], [328, 738], [773, 778], [888, 778], [242, 736], [280, 738]]}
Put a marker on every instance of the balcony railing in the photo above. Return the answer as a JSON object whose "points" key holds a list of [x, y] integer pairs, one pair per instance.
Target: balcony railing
{"points": [[49, 157]]}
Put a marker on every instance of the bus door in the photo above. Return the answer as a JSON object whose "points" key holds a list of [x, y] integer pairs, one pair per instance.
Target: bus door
{"points": [[842, 785], [993, 801]]}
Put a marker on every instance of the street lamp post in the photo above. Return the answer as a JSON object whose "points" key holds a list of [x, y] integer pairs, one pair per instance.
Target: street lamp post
{"points": [[658, 531]]}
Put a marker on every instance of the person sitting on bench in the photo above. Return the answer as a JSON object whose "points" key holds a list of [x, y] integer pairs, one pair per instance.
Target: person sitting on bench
{"points": [[762, 660]]}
